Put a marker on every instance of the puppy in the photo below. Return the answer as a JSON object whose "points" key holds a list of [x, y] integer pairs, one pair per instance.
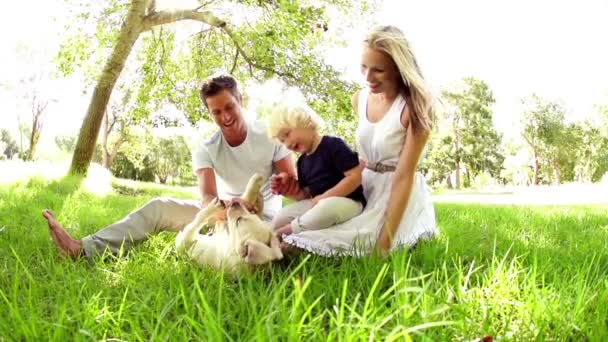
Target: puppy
{"points": [[243, 240]]}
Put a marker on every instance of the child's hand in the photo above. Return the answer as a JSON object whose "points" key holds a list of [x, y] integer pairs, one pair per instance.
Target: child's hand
{"points": [[315, 200], [278, 183]]}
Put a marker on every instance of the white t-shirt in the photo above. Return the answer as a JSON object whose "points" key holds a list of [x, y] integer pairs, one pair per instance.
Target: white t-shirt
{"points": [[234, 166]]}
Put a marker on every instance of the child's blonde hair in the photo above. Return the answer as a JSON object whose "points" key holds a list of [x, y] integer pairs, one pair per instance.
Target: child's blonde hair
{"points": [[290, 115]]}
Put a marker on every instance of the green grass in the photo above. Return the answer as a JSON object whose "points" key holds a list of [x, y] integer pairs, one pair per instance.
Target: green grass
{"points": [[511, 272]]}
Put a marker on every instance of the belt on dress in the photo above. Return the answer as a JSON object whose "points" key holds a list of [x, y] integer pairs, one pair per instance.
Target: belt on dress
{"points": [[380, 168]]}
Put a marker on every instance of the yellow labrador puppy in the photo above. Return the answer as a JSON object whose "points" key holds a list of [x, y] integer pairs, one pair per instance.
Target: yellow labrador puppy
{"points": [[241, 240]]}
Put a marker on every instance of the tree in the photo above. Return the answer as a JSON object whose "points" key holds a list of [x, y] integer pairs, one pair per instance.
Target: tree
{"points": [[9, 145], [171, 157], [134, 160], [475, 143], [544, 132], [286, 36], [117, 119], [65, 143], [441, 160], [592, 149], [24, 131], [38, 102], [38, 107]]}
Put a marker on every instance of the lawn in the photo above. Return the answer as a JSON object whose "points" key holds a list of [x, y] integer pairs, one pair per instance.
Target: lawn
{"points": [[506, 271]]}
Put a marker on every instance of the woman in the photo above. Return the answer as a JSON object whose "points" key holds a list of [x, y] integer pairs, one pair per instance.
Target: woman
{"points": [[394, 125]]}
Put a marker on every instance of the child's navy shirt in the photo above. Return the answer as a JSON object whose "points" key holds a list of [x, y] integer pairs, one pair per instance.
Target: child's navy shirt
{"points": [[325, 167]]}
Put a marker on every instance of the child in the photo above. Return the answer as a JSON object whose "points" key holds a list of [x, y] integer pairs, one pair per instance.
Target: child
{"points": [[328, 189]]}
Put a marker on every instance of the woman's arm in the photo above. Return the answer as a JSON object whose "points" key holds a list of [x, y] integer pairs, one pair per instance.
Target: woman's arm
{"points": [[403, 182]]}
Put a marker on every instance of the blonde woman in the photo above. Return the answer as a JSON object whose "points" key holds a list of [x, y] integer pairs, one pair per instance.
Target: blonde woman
{"points": [[328, 188], [394, 125]]}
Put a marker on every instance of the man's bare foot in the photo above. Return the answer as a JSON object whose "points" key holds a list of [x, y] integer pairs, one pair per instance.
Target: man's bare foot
{"points": [[66, 245]]}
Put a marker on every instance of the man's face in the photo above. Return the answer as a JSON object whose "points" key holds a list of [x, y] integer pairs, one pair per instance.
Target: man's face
{"points": [[225, 110]]}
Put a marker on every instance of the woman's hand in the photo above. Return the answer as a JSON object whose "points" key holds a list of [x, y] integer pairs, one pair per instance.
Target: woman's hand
{"points": [[384, 243]]}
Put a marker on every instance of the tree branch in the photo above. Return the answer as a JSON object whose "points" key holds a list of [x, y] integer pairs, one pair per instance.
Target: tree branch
{"points": [[207, 17], [236, 58], [167, 17], [151, 7], [252, 63]]}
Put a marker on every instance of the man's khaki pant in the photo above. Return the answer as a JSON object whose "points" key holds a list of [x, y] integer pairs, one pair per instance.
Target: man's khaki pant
{"points": [[328, 212], [160, 214]]}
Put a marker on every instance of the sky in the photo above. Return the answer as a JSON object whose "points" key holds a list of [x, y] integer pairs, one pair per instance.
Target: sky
{"points": [[557, 49]]}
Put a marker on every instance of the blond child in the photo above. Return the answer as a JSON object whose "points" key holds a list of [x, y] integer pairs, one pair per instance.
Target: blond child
{"points": [[328, 188]]}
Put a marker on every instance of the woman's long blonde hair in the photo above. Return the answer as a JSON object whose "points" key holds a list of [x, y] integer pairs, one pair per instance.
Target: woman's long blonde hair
{"points": [[390, 40]]}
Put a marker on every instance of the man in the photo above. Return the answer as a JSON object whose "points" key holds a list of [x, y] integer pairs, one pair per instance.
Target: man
{"points": [[234, 153]]}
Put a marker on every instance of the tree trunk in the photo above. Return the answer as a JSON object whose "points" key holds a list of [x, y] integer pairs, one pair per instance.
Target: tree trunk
{"points": [[107, 156], [34, 138], [129, 32], [37, 110], [536, 168], [137, 21], [556, 173], [457, 178]]}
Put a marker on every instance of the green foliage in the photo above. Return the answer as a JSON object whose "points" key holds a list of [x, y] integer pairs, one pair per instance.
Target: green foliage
{"points": [[8, 145], [66, 143], [466, 136], [439, 162], [171, 157], [547, 135], [141, 170], [283, 39], [591, 151], [134, 160], [146, 157], [91, 32]]}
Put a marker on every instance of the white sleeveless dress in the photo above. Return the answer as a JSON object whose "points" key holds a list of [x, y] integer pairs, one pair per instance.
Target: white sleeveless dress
{"points": [[376, 142]]}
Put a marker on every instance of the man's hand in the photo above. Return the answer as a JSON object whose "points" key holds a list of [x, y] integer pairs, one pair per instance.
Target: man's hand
{"points": [[251, 207]]}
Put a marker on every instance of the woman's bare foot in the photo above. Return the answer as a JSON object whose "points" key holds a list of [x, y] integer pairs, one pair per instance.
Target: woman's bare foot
{"points": [[285, 230], [290, 250], [66, 245]]}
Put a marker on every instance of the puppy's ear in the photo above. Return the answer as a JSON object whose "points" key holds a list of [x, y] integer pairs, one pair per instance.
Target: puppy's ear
{"points": [[258, 253]]}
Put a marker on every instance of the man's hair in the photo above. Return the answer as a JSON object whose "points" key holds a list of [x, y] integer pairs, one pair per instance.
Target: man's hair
{"points": [[292, 116], [215, 84]]}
